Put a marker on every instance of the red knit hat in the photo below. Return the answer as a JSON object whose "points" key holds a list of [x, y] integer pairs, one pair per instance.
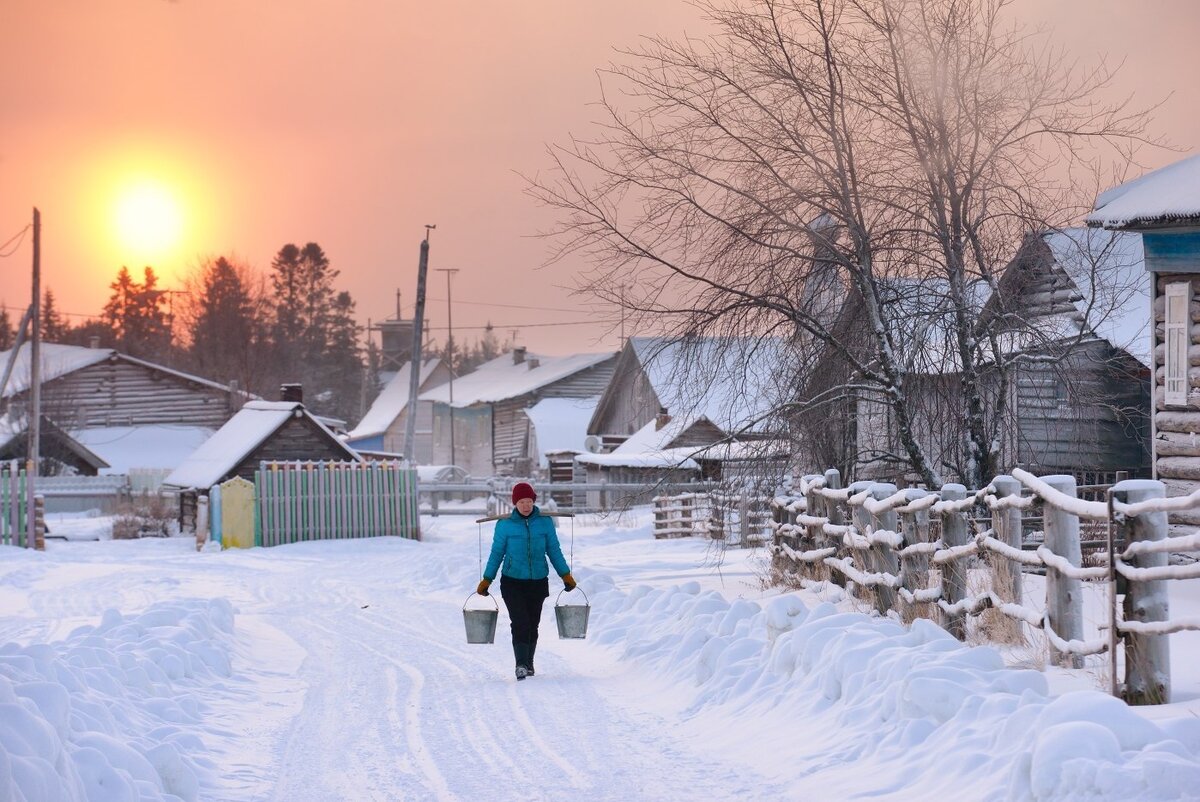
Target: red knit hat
{"points": [[523, 490]]}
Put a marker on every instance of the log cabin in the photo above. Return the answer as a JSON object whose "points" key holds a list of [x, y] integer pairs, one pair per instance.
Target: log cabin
{"points": [[1163, 207]]}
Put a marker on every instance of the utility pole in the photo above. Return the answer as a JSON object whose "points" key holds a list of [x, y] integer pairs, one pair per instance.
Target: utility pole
{"points": [[450, 271], [35, 385], [414, 365]]}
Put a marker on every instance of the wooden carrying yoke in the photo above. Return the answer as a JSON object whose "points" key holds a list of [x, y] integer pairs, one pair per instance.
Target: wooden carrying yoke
{"points": [[546, 514]]}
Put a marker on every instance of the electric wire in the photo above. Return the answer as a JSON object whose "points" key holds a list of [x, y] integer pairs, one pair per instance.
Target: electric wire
{"points": [[19, 237]]}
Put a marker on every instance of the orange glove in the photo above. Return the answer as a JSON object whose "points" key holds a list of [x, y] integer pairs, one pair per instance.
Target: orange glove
{"points": [[568, 581], [483, 586]]}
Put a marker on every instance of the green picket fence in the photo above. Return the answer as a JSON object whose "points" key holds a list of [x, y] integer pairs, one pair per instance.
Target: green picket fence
{"points": [[298, 501], [13, 505]]}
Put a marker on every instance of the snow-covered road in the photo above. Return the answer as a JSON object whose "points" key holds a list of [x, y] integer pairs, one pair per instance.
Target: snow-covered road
{"points": [[340, 671]]}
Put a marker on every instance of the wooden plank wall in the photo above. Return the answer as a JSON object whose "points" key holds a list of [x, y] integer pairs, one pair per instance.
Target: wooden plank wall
{"points": [[119, 393]]}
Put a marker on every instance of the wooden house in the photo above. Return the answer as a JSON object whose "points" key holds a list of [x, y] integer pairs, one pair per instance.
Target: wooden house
{"points": [[670, 399], [136, 416], [1076, 401], [1163, 206], [479, 421], [93, 387], [384, 426], [732, 383]]}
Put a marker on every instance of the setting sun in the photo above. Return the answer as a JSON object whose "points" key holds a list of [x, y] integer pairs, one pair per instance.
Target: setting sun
{"points": [[148, 219]]}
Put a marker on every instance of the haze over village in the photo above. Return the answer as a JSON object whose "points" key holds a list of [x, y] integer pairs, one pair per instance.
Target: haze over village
{"points": [[841, 354]]}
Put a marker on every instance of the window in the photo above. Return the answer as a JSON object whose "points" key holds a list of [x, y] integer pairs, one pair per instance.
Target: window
{"points": [[1178, 319]]}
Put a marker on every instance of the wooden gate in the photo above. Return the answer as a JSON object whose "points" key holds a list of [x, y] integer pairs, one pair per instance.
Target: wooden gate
{"points": [[237, 514]]}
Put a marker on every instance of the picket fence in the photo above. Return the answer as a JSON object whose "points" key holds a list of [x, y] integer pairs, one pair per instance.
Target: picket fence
{"points": [[14, 509], [909, 552], [298, 501]]}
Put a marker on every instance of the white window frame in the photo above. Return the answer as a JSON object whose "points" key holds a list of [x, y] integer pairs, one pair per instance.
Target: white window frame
{"points": [[1177, 319]]}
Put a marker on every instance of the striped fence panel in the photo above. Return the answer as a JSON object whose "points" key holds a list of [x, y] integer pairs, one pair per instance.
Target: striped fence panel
{"points": [[298, 501], [13, 505]]}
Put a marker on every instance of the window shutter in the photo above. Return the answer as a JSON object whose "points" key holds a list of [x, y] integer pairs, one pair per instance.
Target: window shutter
{"points": [[1178, 318]]}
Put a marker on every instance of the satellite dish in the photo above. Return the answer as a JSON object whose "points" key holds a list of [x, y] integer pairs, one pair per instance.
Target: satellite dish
{"points": [[593, 444]]}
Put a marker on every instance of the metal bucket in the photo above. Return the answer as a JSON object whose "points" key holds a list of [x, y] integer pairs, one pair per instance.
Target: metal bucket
{"points": [[572, 618], [480, 624]]}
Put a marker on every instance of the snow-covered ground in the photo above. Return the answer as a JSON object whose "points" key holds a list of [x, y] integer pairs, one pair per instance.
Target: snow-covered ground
{"points": [[143, 670]]}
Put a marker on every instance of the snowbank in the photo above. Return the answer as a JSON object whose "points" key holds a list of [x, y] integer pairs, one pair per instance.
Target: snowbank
{"points": [[109, 713], [880, 708]]}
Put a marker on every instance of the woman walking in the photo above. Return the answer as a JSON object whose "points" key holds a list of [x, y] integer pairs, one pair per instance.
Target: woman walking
{"points": [[523, 542]]}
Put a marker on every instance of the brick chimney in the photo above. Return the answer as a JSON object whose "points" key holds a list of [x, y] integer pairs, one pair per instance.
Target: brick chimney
{"points": [[291, 392], [661, 419], [518, 355]]}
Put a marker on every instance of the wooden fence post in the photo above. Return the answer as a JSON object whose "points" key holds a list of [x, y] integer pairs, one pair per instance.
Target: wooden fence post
{"points": [[914, 567], [1006, 526], [837, 517], [201, 522], [861, 519], [954, 573], [883, 555], [1147, 657], [39, 522], [1064, 594], [816, 507]]}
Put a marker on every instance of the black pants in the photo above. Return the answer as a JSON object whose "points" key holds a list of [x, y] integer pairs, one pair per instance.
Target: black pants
{"points": [[524, 599]]}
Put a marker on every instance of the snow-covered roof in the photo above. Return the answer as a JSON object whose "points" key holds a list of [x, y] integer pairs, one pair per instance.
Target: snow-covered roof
{"points": [[560, 424], [1108, 268], [1169, 194], [392, 400], [650, 447], [728, 380], [59, 360], [234, 441], [501, 379], [150, 446]]}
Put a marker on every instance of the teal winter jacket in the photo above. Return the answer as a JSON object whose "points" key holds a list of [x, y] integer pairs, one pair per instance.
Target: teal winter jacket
{"points": [[524, 544]]}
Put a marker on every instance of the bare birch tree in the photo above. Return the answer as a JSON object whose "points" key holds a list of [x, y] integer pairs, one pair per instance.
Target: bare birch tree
{"points": [[814, 167]]}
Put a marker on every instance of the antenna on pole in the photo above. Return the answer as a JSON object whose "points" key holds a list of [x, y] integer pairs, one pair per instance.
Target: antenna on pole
{"points": [[414, 365]]}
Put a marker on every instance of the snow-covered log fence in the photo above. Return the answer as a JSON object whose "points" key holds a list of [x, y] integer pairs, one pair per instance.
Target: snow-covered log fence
{"points": [[743, 518], [909, 553], [683, 515], [297, 501]]}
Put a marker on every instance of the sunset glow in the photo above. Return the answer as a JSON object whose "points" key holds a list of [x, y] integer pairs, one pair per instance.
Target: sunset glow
{"points": [[148, 220]]}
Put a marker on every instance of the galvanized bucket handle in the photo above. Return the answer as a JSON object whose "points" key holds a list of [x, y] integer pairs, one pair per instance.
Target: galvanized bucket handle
{"points": [[586, 601], [489, 596]]}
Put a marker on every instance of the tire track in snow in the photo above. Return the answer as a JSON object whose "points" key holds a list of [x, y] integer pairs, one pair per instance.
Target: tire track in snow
{"points": [[411, 727]]}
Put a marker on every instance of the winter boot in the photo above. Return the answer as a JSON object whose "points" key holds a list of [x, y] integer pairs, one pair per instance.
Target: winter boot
{"points": [[532, 649], [521, 653]]}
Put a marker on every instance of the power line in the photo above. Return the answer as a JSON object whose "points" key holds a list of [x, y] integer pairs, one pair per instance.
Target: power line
{"points": [[21, 235], [520, 325]]}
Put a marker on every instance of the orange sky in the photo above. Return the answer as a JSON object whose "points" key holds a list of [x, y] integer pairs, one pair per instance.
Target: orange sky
{"points": [[354, 124]]}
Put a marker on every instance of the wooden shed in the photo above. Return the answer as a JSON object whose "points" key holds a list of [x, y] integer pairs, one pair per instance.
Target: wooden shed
{"points": [[1163, 206]]}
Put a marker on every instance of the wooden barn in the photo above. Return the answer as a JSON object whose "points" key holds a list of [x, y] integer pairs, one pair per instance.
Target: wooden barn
{"points": [[93, 387], [1068, 315], [1164, 208], [485, 430]]}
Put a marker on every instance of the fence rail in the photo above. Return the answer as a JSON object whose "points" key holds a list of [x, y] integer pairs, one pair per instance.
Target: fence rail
{"points": [[909, 551], [491, 497]]}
